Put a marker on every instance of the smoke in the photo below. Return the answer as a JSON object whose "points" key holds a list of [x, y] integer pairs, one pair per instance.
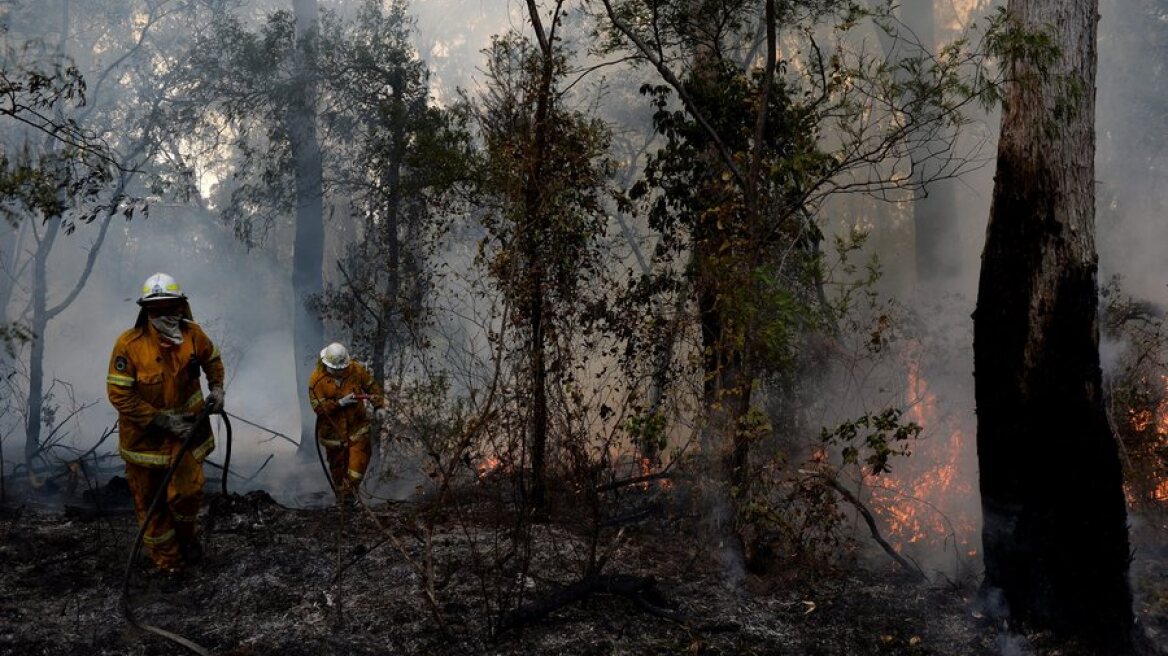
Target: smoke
{"points": [[1012, 644], [243, 298], [450, 36], [913, 348], [991, 604], [1130, 199]]}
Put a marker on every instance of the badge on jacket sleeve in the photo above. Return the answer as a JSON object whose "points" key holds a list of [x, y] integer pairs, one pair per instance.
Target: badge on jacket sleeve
{"points": [[120, 363]]}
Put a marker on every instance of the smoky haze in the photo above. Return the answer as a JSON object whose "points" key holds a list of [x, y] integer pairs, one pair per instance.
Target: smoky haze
{"points": [[243, 296]]}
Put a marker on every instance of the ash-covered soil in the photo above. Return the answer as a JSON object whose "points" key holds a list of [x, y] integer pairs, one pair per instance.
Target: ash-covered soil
{"points": [[267, 587]]}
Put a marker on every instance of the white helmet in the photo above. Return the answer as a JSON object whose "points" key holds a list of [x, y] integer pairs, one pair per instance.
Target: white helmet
{"points": [[335, 356], [160, 287]]}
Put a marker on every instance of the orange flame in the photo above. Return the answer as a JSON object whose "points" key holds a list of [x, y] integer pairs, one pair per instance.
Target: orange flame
{"points": [[1146, 482], [1161, 492], [926, 500], [1154, 486], [487, 466]]}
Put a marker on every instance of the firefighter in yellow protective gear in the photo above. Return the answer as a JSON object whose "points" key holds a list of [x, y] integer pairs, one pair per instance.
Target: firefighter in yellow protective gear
{"points": [[153, 382], [336, 390]]}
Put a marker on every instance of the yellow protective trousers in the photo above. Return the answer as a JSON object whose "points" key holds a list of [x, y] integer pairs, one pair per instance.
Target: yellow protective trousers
{"points": [[347, 464], [176, 517]]}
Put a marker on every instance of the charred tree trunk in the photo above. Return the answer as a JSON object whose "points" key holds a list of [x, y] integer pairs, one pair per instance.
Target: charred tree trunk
{"points": [[308, 244], [539, 412], [726, 399], [722, 266], [1055, 534]]}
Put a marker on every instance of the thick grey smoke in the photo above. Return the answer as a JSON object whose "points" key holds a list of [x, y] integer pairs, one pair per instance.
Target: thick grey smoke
{"points": [[243, 298]]}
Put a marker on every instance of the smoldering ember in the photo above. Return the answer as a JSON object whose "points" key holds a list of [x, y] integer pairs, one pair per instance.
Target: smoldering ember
{"points": [[583, 326]]}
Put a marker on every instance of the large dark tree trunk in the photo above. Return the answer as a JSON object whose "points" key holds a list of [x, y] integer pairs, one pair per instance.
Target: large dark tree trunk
{"points": [[308, 246], [1055, 535]]}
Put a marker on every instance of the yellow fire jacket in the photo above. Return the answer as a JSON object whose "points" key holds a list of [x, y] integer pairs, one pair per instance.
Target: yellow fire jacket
{"points": [[146, 378], [337, 425]]}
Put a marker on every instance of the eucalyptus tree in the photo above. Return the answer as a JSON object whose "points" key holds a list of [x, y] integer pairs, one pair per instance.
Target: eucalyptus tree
{"points": [[1055, 524], [755, 141], [308, 243], [112, 66], [318, 110], [542, 181], [397, 158], [31, 179], [256, 92]]}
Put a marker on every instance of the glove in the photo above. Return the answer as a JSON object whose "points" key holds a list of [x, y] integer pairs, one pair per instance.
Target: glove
{"points": [[215, 400], [347, 400], [177, 425]]}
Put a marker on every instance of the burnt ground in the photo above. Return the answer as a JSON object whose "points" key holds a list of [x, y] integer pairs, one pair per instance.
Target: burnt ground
{"points": [[266, 587]]}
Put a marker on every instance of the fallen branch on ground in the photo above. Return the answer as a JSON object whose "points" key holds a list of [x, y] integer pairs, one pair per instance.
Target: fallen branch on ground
{"points": [[844, 492], [659, 476]]}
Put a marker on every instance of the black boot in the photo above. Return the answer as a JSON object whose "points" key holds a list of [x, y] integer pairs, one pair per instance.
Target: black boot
{"points": [[191, 551]]}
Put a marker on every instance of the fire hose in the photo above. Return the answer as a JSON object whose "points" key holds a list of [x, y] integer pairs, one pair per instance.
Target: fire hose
{"points": [[320, 456], [124, 603], [226, 452]]}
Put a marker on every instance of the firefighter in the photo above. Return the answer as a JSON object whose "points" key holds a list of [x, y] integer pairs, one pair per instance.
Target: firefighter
{"points": [[153, 382], [336, 391]]}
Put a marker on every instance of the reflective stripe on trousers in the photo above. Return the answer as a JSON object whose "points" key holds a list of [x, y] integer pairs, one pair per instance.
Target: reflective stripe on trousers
{"points": [[161, 539], [157, 459]]}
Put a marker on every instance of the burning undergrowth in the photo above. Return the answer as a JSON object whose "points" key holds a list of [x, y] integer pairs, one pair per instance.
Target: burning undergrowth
{"points": [[396, 578], [1137, 350]]}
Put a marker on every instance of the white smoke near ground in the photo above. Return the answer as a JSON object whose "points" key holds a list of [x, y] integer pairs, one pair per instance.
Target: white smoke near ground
{"points": [[239, 300], [241, 297], [1012, 644]]}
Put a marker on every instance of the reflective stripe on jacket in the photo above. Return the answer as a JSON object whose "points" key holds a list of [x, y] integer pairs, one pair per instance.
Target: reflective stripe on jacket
{"points": [[146, 378]]}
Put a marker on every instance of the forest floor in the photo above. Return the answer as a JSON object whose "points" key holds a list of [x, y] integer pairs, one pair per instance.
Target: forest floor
{"points": [[266, 587]]}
